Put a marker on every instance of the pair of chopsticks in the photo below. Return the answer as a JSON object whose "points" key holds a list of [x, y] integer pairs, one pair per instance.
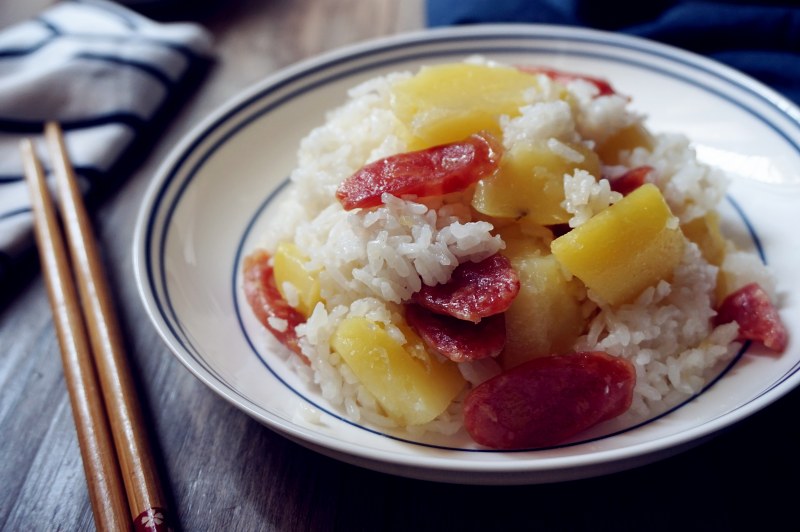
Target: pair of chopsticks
{"points": [[122, 478]]}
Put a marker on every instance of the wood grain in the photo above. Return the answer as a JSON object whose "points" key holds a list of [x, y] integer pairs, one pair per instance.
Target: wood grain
{"points": [[103, 475], [224, 471], [121, 403]]}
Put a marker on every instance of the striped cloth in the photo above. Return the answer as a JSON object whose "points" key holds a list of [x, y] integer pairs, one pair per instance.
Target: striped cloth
{"points": [[110, 77]]}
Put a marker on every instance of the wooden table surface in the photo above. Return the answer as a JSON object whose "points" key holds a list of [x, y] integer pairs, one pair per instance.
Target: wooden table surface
{"points": [[225, 471]]}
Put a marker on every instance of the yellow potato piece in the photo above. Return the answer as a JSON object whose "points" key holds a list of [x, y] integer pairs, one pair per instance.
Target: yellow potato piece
{"points": [[624, 249], [524, 239], [289, 266], [412, 386], [545, 318], [705, 232], [633, 136], [446, 103], [530, 183]]}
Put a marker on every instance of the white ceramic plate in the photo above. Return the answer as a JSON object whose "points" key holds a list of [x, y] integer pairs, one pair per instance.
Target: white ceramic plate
{"points": [[206, 207]]}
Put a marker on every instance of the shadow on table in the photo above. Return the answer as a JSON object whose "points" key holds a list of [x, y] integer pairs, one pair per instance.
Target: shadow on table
{"points": [[739, 480]]}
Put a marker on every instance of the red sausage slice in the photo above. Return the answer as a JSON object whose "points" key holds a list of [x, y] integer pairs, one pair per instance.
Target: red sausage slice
{"points": [[431, 172], [458, 340], [756, 316], [475, 290], [603, 86], [548, 400], [266, 301], [630, 180]]}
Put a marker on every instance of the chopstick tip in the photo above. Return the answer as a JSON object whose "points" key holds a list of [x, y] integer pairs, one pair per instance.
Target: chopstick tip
{"points": [[26, 145], [52, 129], [30, 162]]}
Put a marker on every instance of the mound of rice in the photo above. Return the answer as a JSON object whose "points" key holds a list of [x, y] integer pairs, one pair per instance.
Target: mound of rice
{"points": [[372, 260]]}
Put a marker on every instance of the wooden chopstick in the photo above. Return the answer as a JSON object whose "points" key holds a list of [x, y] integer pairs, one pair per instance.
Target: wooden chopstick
{"points": [[104, 479], [146, 502]]}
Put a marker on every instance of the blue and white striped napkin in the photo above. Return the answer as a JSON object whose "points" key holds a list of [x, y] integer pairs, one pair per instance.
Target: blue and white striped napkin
{"points": [[110, 77]]}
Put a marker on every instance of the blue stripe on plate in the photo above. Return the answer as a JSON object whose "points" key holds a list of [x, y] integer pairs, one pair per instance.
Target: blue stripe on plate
{"points": [[166, 309], [750, 229]]}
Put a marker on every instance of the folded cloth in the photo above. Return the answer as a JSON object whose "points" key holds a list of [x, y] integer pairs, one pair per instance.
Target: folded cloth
{"points": [[110, 77], [760, 39]]}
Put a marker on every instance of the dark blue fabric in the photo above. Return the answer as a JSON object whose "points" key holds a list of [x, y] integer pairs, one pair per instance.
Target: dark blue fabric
{"points": [[761, 40]]}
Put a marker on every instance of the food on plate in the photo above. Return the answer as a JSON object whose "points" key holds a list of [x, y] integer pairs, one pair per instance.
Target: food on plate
{"points": [[549, 399], [629, 246], [507, 251], [750, 307], [268, 303]]}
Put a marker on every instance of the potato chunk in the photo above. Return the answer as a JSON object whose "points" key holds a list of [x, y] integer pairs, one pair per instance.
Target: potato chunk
{"points": [[705, 232], [446, 103], [290, 267], [624, 249], [523, 239], [626, 139], [412, 386], [545, 318], [530, 183]]}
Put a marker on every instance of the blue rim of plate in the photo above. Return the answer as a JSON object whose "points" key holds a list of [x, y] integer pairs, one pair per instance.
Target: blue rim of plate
{"points": [[586, 37]]}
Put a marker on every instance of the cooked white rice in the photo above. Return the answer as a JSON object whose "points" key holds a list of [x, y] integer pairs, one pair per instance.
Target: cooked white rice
{"points": [[372, 260]]}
